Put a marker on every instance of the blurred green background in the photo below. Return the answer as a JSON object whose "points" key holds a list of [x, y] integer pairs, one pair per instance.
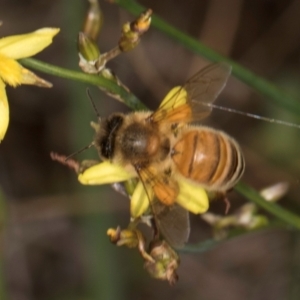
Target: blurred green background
{"points": [[54, 244]]}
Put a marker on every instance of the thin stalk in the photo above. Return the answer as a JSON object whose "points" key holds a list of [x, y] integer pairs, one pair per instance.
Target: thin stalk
{"points": [[209, 244], [110, 86]]}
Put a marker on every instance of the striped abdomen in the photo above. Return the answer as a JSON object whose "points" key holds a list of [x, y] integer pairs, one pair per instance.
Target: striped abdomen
{"points": [[208, 157]]}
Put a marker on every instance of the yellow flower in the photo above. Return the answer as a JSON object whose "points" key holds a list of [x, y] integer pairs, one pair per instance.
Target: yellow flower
{"points": [[191, 196], [12, 73]]}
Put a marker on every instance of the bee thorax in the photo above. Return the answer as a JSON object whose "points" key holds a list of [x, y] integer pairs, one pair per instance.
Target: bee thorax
{"points": [[139, 142]]}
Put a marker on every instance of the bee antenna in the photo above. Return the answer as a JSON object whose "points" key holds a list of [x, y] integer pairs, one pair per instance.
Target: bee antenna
{"points": [[258, 117], [79, 151], [93, 103]]}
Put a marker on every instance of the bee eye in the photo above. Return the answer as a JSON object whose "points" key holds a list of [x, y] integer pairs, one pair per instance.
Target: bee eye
{"points": [[107, 148], [106, 137]]}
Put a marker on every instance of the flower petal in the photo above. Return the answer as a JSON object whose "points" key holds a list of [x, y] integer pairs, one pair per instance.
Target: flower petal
{"points": [[4, 111], [25, 45], [29, 77], [139, 201], [192, 197], [176, 96], [10, 71], [104, 173]]}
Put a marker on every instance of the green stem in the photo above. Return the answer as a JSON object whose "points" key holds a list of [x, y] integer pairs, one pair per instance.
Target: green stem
{"points": [[258, 83], [276, 210], [209, 244], [110, 86]]}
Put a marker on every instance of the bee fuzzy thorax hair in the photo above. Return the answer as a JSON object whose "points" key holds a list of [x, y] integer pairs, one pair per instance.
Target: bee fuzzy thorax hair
{"points": [[130, 139]]}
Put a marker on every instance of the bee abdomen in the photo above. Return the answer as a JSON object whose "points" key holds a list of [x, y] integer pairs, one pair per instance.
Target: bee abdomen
{"points": [[210, 158]]}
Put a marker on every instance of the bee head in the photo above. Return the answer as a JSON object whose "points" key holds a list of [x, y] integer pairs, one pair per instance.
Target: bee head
{"points": [[105, 137]]}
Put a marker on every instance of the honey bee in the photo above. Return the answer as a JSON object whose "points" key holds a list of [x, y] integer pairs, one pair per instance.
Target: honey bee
{"points": [[162, 147]]}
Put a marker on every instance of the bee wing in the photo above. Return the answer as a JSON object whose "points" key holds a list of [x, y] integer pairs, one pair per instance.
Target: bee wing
{"points": [[173, 223], [164, 187], [190, 102]]}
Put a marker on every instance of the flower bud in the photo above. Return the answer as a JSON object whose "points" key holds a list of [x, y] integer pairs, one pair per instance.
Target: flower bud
{"points": [[123, 237], [166, 262], [131, 32], [94, 20], [87, 48]]}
